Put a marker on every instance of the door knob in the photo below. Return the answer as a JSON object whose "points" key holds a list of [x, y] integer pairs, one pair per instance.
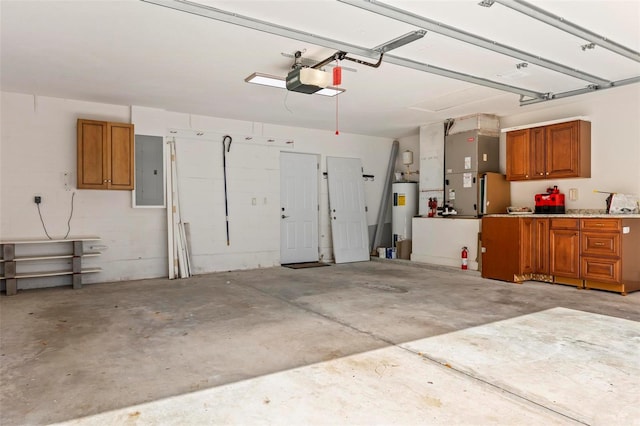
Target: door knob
{"points": [[284, 217]]}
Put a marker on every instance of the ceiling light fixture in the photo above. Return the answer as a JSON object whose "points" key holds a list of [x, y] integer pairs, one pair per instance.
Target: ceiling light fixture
{"points": [[280, 82]]}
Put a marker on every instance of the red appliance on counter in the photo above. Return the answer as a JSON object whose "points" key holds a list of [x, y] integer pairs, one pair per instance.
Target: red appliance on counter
{"points": [[550, 203]]}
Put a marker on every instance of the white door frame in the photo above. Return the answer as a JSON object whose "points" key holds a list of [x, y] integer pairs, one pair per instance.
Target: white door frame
{"points": [[299, 223]]}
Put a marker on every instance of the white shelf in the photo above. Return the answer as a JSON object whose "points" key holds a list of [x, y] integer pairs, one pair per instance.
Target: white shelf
{"points": [[47, 257], [42, 241], [52, 273], [10, 261]]}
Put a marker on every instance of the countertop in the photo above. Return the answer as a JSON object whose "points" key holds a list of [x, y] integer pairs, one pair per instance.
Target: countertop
{"points": [[577, 215]]}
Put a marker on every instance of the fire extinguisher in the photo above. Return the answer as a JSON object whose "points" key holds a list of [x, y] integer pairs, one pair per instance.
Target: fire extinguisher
{"points": [[465, 255]]}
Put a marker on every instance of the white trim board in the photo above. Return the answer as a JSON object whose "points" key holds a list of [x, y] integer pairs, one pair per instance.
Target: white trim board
{"points": [[545, 123]]}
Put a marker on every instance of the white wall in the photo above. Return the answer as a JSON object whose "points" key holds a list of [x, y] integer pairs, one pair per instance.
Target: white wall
{"points": [[615, 146], [431, 165], [38, 144]]}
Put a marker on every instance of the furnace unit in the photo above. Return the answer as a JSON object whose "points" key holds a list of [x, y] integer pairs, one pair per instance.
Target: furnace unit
{"points": [[468, 157]]}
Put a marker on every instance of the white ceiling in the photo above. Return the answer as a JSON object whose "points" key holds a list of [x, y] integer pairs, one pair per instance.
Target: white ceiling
{"points": [[134, 53]]}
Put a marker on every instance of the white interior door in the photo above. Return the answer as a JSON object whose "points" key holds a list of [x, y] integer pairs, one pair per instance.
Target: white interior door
{"points": [[299, 208], [347, 209]]}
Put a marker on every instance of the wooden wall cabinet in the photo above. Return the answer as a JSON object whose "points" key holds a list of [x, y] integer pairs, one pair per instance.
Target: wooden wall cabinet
{"points": [[105, 155], [555, 151]]}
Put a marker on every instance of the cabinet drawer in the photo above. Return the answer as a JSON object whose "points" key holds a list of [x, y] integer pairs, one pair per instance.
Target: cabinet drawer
{"points": [[601, 269], [600, 243], [564, 223], [600, 224]]}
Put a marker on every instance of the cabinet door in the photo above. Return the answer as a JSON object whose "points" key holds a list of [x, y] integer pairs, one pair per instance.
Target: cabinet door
{"points": [[92, 154], [526, 246], [541, 246], [501, 248], [538, 153], [121, 158], [562, 150], [565, 253], [518, 155]]}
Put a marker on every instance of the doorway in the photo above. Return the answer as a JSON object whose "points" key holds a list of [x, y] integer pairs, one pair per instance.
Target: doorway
{"points": [[298, 207]]}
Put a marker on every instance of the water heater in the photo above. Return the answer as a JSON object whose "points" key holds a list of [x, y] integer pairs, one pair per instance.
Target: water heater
{"points": [[405, 207]]}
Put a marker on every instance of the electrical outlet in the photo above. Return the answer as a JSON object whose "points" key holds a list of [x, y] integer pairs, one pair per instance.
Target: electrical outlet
{"points": [[66, 180], [37, 199], [573, 194]]}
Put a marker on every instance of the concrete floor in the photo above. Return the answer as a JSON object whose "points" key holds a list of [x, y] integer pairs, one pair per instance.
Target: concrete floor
{"points": [[371, 342]]}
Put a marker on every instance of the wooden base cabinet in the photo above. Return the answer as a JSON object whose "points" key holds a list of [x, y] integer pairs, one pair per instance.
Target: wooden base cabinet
{"points": [[503, 256], [610, 254], [515, 249], [598, 253]]}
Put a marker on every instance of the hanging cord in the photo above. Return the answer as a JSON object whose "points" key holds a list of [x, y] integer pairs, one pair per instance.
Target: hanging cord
{"points": [[42, 220], [337, 80], [70, 216], [285, 102], [337, 131], [68, 221]]}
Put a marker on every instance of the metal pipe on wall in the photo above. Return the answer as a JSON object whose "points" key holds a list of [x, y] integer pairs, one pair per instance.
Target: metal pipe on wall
{"points": [[386, 196]]}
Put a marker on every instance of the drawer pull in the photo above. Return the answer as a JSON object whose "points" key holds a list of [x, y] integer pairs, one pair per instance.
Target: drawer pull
{"points": [[599, 224], [598, 244]]}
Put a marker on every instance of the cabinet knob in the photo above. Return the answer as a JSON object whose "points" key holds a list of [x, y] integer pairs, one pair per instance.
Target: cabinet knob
{"points": [[526, 176], [541, 173], [547, 173]]}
